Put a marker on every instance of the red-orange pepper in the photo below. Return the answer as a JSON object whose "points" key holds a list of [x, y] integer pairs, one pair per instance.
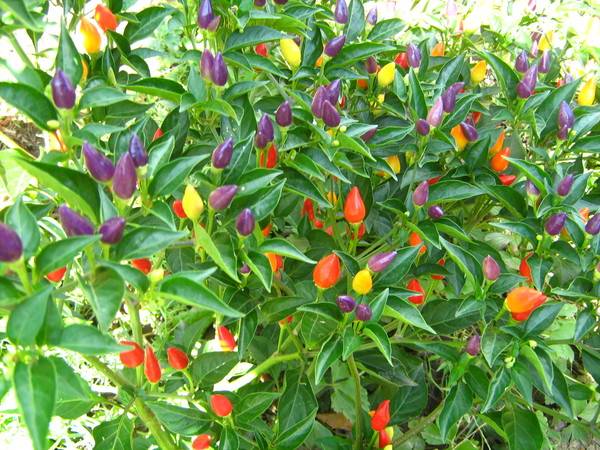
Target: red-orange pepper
{"points": [[105, 18], [354, 207], [414, 285], [151, 366], [132, 358], [177, 358], [327, 271], [226, 339], [381, 418], [220, 405], [57, 275]]}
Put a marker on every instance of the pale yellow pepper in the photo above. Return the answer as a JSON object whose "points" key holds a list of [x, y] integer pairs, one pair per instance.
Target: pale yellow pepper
{"points": [[192, 203]]}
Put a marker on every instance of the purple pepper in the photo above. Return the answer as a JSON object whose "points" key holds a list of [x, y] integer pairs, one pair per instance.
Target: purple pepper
{"points": [[473, 345], [219, 72], [535, 36], [12, 246], [380, 261], [346, 303], [491, 269], [555, 223], [422, 127], [261, 140], [214, 24], [533, 51], [593, 225], [449, 96], [99, 166], [371, 65], [207, 63], [531, 189], [526, 86], [137, 151], [435, 212], [341, 11], [564, 187], [469, 131], [73, 223], [222, 196], [363, 312], [281, 2], [245, 222], [205, 14], [333, 91], [221, 155], [330, 115], [421, 194], [125, 178], [265, 126], [545, 62], [414, 55], [260, 3], [562, 133], [366, 137], [522, 62], [63, 92], [317, 104], [434, 117], [245, 269], [565, 117], [112, 230], [283, 115], [333, 47], [372, 16]]}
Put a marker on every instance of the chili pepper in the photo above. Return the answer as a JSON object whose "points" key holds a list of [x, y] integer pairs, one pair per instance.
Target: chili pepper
{"points": [[283, 115], [342, 102], [587, 95], [222, 196], [327, 271], [422, 127], [362, 84], [132, 358], [73, 223], [202, 442], [363, 312], [449, 96], [435, 212], [402, 60], [526, 86], [498, 145], [12, 246], [491, 269], [333, 91], [271, 157], [125, 177], [144, 265], [221, 156], [524, 269], [478, 72], [385, 437], [245, 269], [459, 137], [421, 194], [564, 187], [226, 339], [275, 261], [475, 116], [317, 103], [137, 151], [91, 37], [99, 166], [177, 207], [522, 301], [267, 229], [262, 50], [473, 345], [354, 207], [367, 136], [371, 65], [415, 240], [105, 18], [438, 49], [111, 230], [151, 366], [469, 131], [265, 126], [544, 66], [63, 92], [436, 113], [593, 225], [205, 14], [507, 180], [261, 140], [441, 262], [281, 2], [565, 119], [56, 275], [372, 16], [546, 41], [346, 303], [177, 358], [522, 62], [207, 63], [498, 161], [290, 52], [362, 282], [386, 75], [331, 117], [192, 203], [245, 222], [157, 134], [394, 162], [319, 61], [219, 74], [555, 223], [433, 180], [415, 286], [381, 417], [308, 209], [381, 261], [318, 223], [341, 11], [413, 55], [220, 405]]}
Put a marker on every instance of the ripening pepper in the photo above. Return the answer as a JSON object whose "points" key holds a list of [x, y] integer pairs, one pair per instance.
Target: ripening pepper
{"points": [[565, 120], [207, 63], [469, 131], [435, 212], [74, 224], [545, 61], [341, 11], [381, 417], [275, 261], [564, 187], [56, 275], [385, 437], [524, 269], [354, 206], [593, 225], [319, 98], [441, 262], [283, 115], [413, 54], [245, 222], [202, 442], [522, 62], [555, 223], [334, 46], [421, 194], [367, 136], [331, 117], [221, 156], [220, 405], [449, 96], [422, 127], [414, 240], [478, 72], [177, 207], [63, 92], [498, 145], [522, 301], [386, 75], [132, 358], [178, 359], [308, 209], [221, 197], [144, 265], [265, 127], [473, 345], [507, 180], [394, 162], [372, 16], [415, 286], [362, 282], [402, 60], [587, 95], [333, 91], [459, 137], [12, 246], [125, 177], [219, 74], [363, 312], [91, 36], [438, 49], [105, 18], [205, 14], [327, 271], [262, 50], [491, 269], [436, 113], [192, 203], [151, 366], [111, 231], [290, 52], [346, 303], [137, 151], [498, 161], [545, 42], [271, 160], [371, 65], [98, 165], [526, 86], [226, 339]]}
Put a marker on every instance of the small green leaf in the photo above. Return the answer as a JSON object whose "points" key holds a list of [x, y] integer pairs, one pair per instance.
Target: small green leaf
{"points": [[456, 404], [26, 319], [377, 334], [145, 241], [30, 102], [60, 253], [88, 340], [67, 57], [407, 312], [104, 292], [210, 368], [206, 242], [284, 248], [330, 352]]}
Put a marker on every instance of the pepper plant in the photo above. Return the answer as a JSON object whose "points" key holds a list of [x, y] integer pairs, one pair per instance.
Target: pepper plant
{"points": [[300, 224]]}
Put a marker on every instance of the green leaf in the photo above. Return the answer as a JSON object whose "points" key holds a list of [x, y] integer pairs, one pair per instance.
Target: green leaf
{"points": [[410, 399], [396, 271], [357, 146], [497, 387], [449, 73], [352, 53], [21, 11], [324, 309], [456, 404], [97, 96], [35, 388], [206, 242], [296, 407], [88, 340], [253, 405], [377, 334], [548, 109], [104, 292], [505, 75], [20, 219], [30, 102], [466, 262], [351, 342], [330, 352], [523, 429], [356, 20], [172, 175], [210, 368], [114, 434], [585, 323], [60, 253], [417, 99], [180, 420], [67, 57], [148, 21], [451, 191], [302, 186], [278, 308], [384, 29], [547, 378], [282, 247], [27, 318], [407, 312], [145, 241], [252, 36], [542, 318], [74, 397], [159, 154], [533, 173], [260, 266], [378, 304], [158, 87], [493, 343], [129, 275], [191, 293]]}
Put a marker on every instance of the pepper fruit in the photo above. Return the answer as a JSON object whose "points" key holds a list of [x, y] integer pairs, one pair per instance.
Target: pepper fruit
{"points": [[436, 113], [74, 224], [12, 246], [381, 417], [205, 14], [546, 41], [555, 223], [219, 74], [354, 206], [125, 177], [327, 271], [105, 18], [473, 345], [221, 197], [413, 54], [144, 265], [372, 16], [177, 358], [385, 437], [56, 275], [394, 162], [111, 230], [63, 92], [435, 212], [438, 49], [524, 269], [275, 261], [192, 203], [362, 282], [491, 269], [202, 442], [587, 95], [498, 163], [499, 144], [207, 62], [91, 36], [98, 165], [363, 312], [262, 50], [592, 227], [415, 240], [178, 209], [386, 75], [226, 339], [308, 209], [507, 180], [132, 358], [522, 301], [341, 11], [151, 366], [441, 262], [362, 84], [220, 405], [459, 137], [402, 60], [271, 157], [157, 134], [334, 46], [245, 222], [414, 285], [290, 52], [346, 303], [478, 72]]}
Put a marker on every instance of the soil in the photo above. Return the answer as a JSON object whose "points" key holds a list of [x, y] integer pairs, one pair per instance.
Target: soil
{"points": [[24, 134]]}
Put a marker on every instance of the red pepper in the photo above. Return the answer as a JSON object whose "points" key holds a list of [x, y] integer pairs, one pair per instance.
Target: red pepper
{"points": [[327, 271], [267, 230], [441, 262], [415, 286], [476, 116], [220, 405], [524, 269], [385, 437], [402, 60], [343, 101], [507, 180], [178, 209], [271, 157], [415, 240], [498, 163], [226, 339], [381, 418], [177, 358], [151, 366], [318, 223], [276, 261], [362, 228], [262, 50], [157, 134], [308, 209], [354, 207], [202, 442], [329, 230], [433, 180], [105, 18], [132, 358], [362, 84], [144, 265], [57, 275]]}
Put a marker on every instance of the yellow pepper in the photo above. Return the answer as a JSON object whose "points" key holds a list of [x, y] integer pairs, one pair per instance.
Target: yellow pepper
{"points": [[362, 282], [459, 137], [332, 197], [192, 203], [394, 163], [545, 42], [438, 49], [85, 70], [587, 95], [91, 36], [290, 52], [478, 72], [386, 75]]}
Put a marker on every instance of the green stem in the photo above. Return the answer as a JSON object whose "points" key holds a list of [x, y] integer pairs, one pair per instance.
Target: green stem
{"points": [[21, 271], [421, 425], [261, 368], [136, 327], [357, 403]]}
